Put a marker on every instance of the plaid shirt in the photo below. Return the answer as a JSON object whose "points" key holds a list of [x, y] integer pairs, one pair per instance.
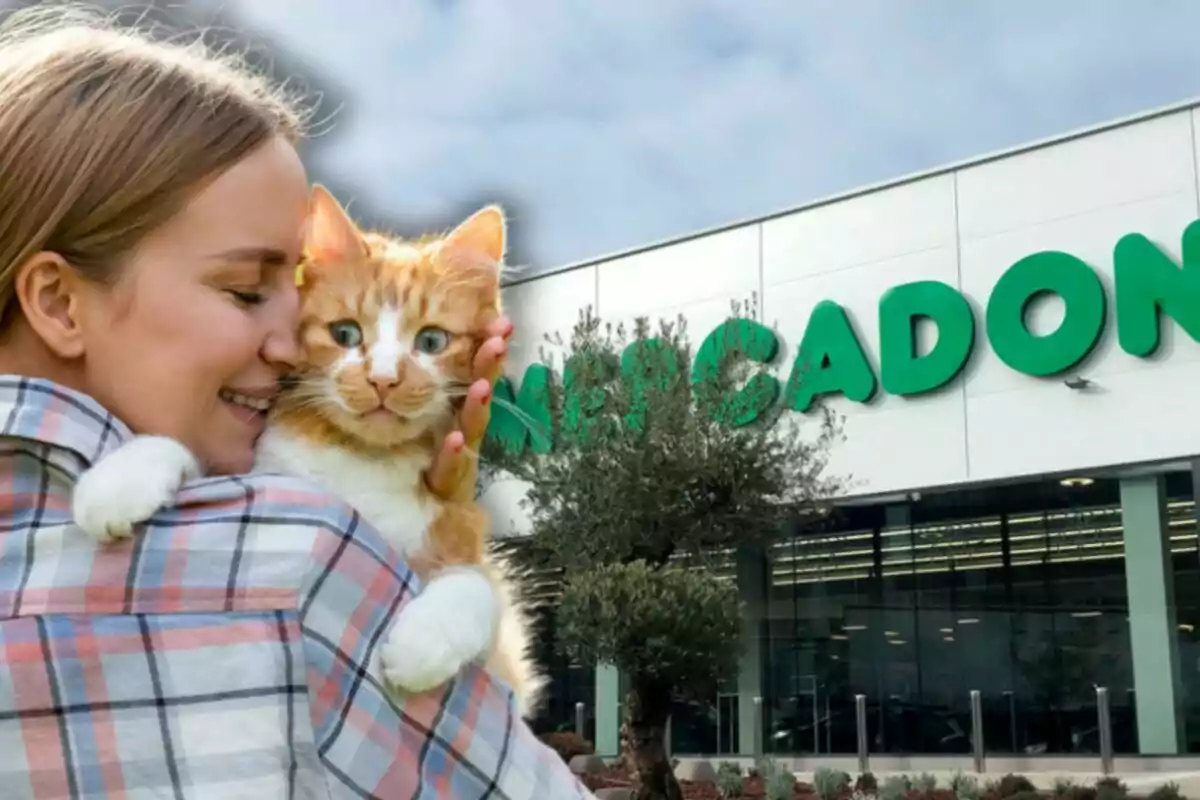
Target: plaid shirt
{"points": [[228, 650]]}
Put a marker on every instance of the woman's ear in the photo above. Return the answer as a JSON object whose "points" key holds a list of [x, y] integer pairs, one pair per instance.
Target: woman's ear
{"points": [[48, 290]]}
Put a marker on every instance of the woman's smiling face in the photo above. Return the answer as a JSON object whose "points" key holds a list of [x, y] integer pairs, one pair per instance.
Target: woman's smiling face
{"points": [[193, 336]]}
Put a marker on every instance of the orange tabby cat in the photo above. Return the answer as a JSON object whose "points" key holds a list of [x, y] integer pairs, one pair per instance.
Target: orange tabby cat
{"points": [[389, 330]]}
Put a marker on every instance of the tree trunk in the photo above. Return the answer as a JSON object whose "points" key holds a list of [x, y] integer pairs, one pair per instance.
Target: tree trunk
{"points": [[647, 709]]}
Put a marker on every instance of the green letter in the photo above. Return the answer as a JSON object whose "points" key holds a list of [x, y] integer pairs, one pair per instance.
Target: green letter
{"points": [[1083, 319], [829, 360], [732, 339], [646, 364], [584, 376], [902, 371], [1148, 282], [526, 416]]}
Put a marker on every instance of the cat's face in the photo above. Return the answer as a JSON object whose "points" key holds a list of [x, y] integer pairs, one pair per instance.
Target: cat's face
{"points": [[389, 328]]}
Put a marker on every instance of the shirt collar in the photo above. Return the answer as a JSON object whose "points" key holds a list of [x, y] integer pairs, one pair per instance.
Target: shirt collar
{"points": [[43, 411]]}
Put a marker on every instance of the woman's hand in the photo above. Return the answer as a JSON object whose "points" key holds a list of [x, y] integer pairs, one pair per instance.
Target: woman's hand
{"points": [[456, 466]]}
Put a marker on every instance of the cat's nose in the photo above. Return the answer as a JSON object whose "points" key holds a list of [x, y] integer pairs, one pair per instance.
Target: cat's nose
{"points": [[384, 383]]}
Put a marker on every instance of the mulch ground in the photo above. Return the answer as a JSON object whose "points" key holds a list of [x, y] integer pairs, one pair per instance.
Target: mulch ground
{"points": [[752, 788]]}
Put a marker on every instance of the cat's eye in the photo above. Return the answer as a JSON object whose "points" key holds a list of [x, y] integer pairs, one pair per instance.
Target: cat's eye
{"points": [[346, 333], [432, 341]]}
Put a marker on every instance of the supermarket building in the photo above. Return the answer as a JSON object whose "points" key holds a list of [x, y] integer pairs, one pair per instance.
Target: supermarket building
{"points": [[1013, 343]]}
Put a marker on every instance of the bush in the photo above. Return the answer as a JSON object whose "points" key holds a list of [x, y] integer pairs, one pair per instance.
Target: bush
{"points": [[729, 780], [895, 787], [781, 785], [1111, 789], [1013, 785], [1168, 791], [567, 744], [927, 784], [965, 787], [1064, 789], [1027, 794], [867, 783], [830, 784]]}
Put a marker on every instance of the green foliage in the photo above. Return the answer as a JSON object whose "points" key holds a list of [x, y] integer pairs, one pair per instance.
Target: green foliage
{"points": [[729, 780], [1012, 785], [1168, 791], [1111, 789], [644, 465], [895, 787], [830, 783], [927, 783], [764, 767], [867, 783], [781, 786], [779, 783], [1063, 788], [965, 787], [651, 473], [664, 625]]}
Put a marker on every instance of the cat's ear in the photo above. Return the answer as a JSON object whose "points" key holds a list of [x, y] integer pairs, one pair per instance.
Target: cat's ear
{"points": [[330, 235], [483, 232]]}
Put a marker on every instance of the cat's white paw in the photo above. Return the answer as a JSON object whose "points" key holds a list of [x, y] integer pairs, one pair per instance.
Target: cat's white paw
{"points": [[129, 485], [446, 627]]}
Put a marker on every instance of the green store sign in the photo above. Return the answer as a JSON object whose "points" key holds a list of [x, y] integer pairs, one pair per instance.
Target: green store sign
{"points": [[830, 359]]}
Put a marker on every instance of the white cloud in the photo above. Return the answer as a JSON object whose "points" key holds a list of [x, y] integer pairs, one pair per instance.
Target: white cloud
{"points": [[621, 122]]}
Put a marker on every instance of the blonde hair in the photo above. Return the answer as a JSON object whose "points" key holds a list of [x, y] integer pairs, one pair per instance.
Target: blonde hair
{"points": [[105, 133]]}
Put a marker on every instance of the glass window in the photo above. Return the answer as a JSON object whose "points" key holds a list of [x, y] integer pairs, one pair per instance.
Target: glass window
{"points": [[1017, 591]]}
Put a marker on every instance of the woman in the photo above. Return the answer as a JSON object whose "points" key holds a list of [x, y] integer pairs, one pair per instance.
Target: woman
{"points": [[151, 203]]}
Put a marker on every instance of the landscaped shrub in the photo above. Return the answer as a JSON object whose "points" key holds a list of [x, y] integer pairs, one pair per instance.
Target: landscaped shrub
{"points": [[781, 785], [1064, 789], [965, 787], [895, 787], [1012, 785], [1111, 789], [567, 744], [926, 784], [830, 784], [729, 780], [867, 784], [1168, 791]]}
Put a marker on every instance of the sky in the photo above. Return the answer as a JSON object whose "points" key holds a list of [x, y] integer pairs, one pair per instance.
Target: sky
{"points": [[604, 126]]}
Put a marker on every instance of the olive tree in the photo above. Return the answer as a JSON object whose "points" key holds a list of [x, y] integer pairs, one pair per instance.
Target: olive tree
{"points": [[660, 459]]}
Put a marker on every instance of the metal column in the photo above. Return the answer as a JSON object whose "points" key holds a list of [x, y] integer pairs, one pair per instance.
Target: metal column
{"points": [[758, 727], [1104, 726], [860, 722], [977, 728]]}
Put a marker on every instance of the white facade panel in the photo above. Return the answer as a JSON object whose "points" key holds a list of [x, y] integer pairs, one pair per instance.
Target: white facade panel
{"points": [[702, 273], [1113, 168], [965, 228], [897, 221], [545, 306]]}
